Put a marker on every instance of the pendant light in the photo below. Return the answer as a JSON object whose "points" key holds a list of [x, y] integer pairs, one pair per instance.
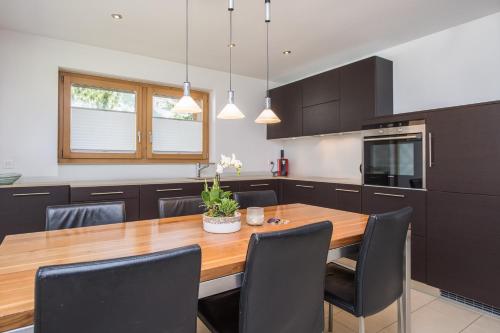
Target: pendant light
{"points": [[230, 111], [267, 116], [187, 104]]}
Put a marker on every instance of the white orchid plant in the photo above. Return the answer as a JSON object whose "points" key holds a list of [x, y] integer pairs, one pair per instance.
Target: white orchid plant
{"points": [[217, 202], [228, 162]]}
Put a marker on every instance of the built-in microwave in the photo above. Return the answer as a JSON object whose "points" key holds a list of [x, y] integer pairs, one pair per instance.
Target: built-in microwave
{"points": [[394, 155]]}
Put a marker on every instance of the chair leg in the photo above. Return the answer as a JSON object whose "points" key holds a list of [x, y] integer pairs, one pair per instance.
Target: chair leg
{"points": [[361, 324], [400, 315], [330, 317]]}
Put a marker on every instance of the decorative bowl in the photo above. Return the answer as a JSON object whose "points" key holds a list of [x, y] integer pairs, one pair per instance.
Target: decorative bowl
{"points": [[222, 225], [9, 178]]}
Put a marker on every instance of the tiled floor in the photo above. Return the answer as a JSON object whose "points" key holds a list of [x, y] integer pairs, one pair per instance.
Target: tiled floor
{"points": [[429, 315]]}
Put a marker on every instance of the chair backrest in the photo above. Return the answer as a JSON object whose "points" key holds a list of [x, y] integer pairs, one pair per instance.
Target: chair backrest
{"points": [[180, 206], [256, 198], [283, 284], [84, 215], [156, 292], [379, 270]]}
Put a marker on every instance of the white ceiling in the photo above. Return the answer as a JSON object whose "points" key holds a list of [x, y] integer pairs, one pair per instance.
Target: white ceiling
{"points": [[320, 33]]}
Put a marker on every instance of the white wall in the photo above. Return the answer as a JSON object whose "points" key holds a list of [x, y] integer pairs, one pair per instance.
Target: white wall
{"points": [[457, 66], [28, 107]]}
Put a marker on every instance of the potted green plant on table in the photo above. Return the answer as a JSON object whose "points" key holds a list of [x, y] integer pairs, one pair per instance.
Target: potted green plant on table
{"points": [[221, 211]]}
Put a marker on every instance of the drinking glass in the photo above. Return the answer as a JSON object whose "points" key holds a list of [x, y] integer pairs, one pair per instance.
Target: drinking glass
{"points": [[255, 215]]}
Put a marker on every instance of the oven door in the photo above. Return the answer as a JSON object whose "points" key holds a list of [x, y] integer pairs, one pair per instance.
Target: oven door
{"points": [[395, 161]]}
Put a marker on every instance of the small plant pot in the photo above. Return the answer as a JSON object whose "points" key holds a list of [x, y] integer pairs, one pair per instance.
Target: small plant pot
{"points": [[222, 225]]}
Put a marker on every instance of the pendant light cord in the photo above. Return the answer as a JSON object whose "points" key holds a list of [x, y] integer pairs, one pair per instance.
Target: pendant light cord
{"points": [[187, 39], [267, 59], [230, 48]]}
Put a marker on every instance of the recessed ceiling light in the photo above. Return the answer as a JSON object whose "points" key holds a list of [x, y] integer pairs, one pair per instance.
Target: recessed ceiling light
{"points": [[117, 16], [287, 52]]}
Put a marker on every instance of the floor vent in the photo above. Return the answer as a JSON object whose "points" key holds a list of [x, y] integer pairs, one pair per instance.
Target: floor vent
{"points": [[470, 302]]}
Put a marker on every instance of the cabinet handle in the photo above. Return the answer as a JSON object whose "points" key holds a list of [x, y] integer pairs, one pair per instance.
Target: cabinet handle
{"points": [[304, 186], [106, 193], [170, 189], [225, 186], [390, 195], [139, 136], [346, 190], [30, 194], [257, 185], [430, 150]]}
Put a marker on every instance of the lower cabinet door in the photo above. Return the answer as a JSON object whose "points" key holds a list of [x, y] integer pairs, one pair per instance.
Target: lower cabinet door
{"points": [[127, 193], [348, 198], [311, 193], [259, 185], [463, 245], [22, 209], [151, 193], [378, 200], [418, 258]]}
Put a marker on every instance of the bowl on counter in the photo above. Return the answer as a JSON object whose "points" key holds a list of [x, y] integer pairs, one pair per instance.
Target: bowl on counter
{"points": [[9, 178]]}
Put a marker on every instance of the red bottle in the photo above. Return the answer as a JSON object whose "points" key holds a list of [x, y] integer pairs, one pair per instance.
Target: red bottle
{"points": [[283, 165]]}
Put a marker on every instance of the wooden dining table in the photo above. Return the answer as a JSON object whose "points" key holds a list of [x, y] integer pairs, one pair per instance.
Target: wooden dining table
{"points": [[223, 255]]}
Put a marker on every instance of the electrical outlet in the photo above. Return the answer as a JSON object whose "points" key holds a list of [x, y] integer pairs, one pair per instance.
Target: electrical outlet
{"points": [[8, 164]]}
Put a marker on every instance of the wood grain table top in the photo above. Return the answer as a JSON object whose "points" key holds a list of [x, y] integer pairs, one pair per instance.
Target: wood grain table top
{"points": [[222, 254]]}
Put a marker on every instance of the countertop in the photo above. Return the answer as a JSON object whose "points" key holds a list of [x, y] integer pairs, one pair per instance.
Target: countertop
{"points": [[33, 182]]}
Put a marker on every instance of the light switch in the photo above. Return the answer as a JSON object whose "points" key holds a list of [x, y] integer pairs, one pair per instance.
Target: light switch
{"points": [[8, 164]]}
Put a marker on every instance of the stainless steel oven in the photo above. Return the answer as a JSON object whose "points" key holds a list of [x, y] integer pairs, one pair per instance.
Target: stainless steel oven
{"points": [[394, 155]]}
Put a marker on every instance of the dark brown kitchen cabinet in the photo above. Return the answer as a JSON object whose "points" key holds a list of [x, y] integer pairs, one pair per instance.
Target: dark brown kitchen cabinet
{"points": [[287, 104], [321, 119], [378, 200], [151, 193], [418, 258], [22, 209], [464, 148], [311, 193], [228, 186], [463, 245], [321, 88], [365, 92], [347, 197], [126, 193], [259, 185]]}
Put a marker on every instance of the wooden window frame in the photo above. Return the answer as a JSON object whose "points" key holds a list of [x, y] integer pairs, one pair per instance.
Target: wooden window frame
{"points": [[175, 92], [144, 149]]}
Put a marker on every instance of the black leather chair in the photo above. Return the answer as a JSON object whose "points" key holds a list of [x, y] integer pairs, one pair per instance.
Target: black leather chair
{"points": [[256, 198], [151, 293], [180, 206], [282, 288], [378, 279], [84, 215]]}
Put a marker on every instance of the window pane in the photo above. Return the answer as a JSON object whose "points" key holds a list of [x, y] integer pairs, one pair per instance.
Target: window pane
{"points": [[175, 133], [102, 120]]}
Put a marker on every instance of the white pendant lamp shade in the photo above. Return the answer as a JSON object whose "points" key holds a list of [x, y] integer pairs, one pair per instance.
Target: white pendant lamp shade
{"points": [[267, 116], [187, 104], [231, 111]]}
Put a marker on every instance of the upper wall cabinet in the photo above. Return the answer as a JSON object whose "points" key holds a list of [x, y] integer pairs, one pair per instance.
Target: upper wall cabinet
{"points": [[321, 88], [287, 104], [340, 100], [365, 92]]}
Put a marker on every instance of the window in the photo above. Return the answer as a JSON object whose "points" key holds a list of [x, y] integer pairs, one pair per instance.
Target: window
{"points": [[104, 120]]}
